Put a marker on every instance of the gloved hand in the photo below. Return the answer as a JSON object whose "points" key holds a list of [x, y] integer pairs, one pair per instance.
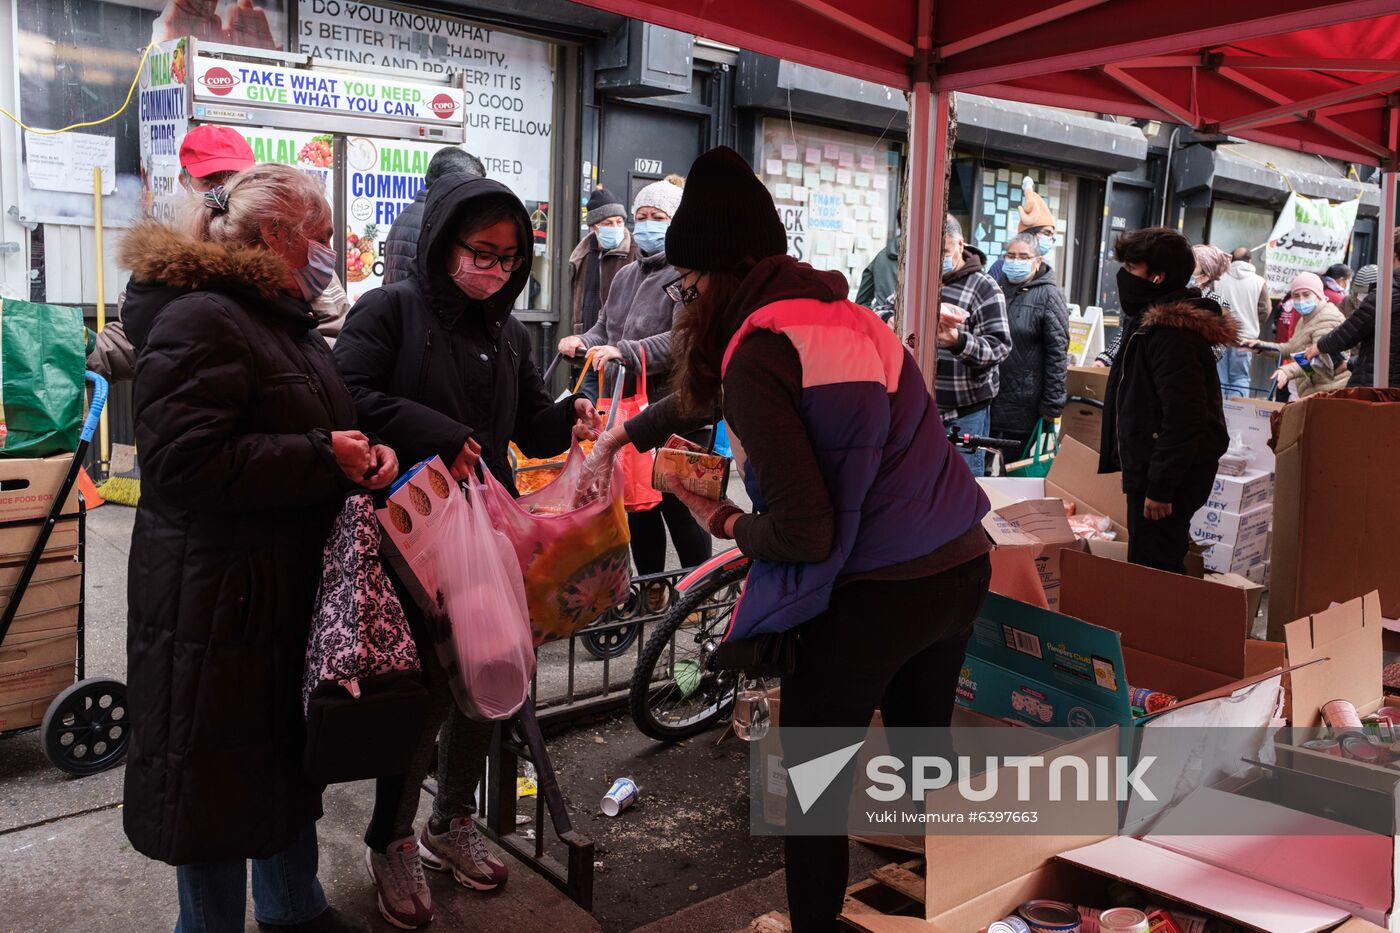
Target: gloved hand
{"points": [[711, 515], [597, 469]]}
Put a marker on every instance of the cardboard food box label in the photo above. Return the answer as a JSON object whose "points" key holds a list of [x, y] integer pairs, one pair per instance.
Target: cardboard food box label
{"points": [[1240, 494], [1248, 421], [1249, 561], [704, 474], [28, 487], [1038, 526], [1210, 526]]}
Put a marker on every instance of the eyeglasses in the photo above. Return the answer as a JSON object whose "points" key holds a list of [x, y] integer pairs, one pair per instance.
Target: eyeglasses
{"points": [[485, 260], [681, 293]]}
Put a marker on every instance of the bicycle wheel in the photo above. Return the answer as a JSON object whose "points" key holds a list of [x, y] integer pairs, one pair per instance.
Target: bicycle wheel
{"points": [[676, 693]]}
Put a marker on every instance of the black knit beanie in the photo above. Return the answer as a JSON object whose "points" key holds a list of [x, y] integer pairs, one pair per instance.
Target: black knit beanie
{"points": [[726, 216], [603, 204]]}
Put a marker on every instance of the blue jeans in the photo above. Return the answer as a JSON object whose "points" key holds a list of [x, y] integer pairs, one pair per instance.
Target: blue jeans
{"points": [[1234, 372], [213, 895], [979, 422]]}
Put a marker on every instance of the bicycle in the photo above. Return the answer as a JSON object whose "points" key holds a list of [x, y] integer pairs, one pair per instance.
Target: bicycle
{"points": [[688, 695]]}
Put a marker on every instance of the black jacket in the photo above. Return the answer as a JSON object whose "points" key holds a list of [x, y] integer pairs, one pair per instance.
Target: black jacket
{"points": [[1169, 420], [1033, 376], [1359, 331], [401, 245], [429, 367], [880, 279], [235, 399]]}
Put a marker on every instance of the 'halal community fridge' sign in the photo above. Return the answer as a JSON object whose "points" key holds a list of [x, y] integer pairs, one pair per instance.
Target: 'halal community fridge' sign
{"points": [[240, 82]]}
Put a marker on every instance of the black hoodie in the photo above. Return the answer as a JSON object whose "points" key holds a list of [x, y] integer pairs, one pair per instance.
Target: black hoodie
{"points": [[429, 367]]}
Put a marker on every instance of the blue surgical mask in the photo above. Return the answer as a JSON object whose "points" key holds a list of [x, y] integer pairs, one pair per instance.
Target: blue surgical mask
{"points": [[947, 264], [610, 237], [651, 235], [1017, 270], [1044, 243], [313, 277], [1305, 305]]}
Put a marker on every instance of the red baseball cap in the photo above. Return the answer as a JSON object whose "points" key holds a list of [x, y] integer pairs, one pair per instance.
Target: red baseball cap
{"points": [[208, 149]]}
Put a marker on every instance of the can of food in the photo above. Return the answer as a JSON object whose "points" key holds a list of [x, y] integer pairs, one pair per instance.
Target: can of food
{"points": [[1341, 716], [1050, 917], [1122, 920], [1358, 747], [619, 797], [1012, 924], [1379, 728], [1325, 746], [1150, 701]]}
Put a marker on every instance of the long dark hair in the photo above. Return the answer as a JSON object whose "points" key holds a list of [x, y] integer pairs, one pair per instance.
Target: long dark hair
{"points": [[699, 340]]}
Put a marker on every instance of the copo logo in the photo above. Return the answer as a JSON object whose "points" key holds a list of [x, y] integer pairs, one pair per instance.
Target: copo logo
{"points": [[219, 81], [443, 106]]}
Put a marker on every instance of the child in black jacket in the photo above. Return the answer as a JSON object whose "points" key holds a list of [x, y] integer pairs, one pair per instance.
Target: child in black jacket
{"points": [[1163, 425]]}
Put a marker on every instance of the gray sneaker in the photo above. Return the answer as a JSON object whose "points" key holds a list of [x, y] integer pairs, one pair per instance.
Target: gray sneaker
{"points": [[404, 899], [463, 849]]}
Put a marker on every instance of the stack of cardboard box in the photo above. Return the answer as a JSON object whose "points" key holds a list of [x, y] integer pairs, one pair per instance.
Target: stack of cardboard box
{"points": [[1236, 521], [38, 655]]}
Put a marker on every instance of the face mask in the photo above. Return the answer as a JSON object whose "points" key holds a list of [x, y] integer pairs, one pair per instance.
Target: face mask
{"points": [[610, 237], [1017, 270], [947, 264], [1135, 294], [478, 284], [1305, 305], [651, 235], [1044, 244], [313, 277]]}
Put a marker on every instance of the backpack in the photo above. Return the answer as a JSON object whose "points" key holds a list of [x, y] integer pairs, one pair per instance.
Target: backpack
{"points": [[362, 690]]}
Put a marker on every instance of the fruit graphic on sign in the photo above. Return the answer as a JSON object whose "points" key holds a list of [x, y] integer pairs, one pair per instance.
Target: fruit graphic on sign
{"points": [[360, 253], [177, 62], [317, 153]]}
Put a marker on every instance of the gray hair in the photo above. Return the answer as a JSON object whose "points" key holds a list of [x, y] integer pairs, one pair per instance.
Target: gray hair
{"points": [[271, 192], [1029, 239], [952, 228]]}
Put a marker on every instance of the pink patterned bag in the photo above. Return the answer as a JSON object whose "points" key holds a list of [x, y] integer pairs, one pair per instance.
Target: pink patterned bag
{"points": [[362, 692]]}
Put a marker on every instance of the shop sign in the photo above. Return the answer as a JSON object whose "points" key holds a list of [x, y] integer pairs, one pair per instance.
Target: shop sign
{"points": [[164, 112], [1310, 235], [508, 92], [321, 92], [795, 223]]}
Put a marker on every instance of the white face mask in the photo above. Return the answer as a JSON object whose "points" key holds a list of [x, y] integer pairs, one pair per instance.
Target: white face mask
{"points": [[313, 277]]}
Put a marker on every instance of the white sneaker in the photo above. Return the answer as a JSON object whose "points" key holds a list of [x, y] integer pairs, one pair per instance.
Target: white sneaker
{"points": [[404, 898], [463, 849]]}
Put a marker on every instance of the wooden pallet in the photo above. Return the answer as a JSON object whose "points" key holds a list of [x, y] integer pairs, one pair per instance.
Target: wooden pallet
{"points": [[894, 889]]}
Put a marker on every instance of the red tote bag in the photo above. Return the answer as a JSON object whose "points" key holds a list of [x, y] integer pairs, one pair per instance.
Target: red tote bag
{"points": [[638, 493]]}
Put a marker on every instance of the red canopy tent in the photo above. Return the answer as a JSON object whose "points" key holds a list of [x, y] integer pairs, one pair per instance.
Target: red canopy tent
{"points": [[1317, 77]]}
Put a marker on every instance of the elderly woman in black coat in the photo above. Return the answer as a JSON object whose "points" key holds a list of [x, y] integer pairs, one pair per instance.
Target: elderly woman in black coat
{"points": [[1033, 376], [248, 446]]}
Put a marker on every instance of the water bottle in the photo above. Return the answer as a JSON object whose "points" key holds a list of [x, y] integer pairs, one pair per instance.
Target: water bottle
{"points": [[751, 710]]}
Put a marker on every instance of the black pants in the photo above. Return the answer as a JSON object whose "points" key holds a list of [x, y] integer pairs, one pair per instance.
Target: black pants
{"points": [[1162, 543], [693, 543], [892, 645]]}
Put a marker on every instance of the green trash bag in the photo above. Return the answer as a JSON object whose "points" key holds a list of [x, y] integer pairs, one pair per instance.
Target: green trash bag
{"points": [[42, 393], [1038, 456]]}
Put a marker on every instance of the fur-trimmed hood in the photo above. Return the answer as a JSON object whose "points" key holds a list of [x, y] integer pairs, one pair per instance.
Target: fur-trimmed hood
{"points": [[155, 252], [1202, 316]]}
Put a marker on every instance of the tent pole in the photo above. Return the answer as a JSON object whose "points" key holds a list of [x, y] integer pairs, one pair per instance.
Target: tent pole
{"points": [[1384, 288], [923, 235]]}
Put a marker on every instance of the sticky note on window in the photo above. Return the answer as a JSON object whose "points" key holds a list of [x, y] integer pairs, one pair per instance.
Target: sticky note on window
{"points": [[794, 170], [867, 161], [843, 176], [861, 212], [774, 166], [851, 195], [831, 151], [789, 151], [848, 157], [862, 179], [814, 155], [782, 191], [799, 192], [824, 246], [880, 181], [828, 172], [811, 178], [872, 198]]}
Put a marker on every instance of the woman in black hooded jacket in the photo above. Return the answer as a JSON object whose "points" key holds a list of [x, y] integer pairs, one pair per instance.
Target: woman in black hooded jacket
{"points": [[438, 366]]}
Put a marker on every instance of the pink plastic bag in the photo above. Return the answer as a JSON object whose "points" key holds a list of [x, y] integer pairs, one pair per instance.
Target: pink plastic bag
{"points": [[482, 631], [574, 558]]}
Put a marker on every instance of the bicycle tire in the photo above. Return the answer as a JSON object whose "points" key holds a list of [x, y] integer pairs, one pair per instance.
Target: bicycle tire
{"points": [[639, 696]]}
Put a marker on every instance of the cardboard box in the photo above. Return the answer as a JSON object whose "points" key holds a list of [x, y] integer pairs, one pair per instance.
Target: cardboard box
{"points": [[1242, 493], [1253, 590], [28, 487], [1348, 636], [1079, 420], [32, 673], [16, 541], [1250, 561], [1335, 524], [1248, 420], [1074, 477], [1038, 530], [1211, 527], [51, 602]]}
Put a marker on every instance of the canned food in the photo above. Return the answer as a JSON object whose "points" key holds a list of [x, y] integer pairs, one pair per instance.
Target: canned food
{"points": [[1150, 701], [1358, 747], [1050, 917], [1379, 728], [1012, 924], [1341, 716], [1325, 746], [1123, 920]]}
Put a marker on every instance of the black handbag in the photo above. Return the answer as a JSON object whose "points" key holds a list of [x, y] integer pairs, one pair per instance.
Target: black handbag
{"points": [[352, 737], [771, 655]]}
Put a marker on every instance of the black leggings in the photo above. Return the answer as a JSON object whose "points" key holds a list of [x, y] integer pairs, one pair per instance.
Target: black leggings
{"points": [[893, 645], [693, 543]]}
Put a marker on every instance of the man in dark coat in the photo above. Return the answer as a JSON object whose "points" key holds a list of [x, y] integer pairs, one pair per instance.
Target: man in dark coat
{"points": [[1359, 331], [1033, 376], [401, 245], [880, 279], [1164, 424], [243, 422]]}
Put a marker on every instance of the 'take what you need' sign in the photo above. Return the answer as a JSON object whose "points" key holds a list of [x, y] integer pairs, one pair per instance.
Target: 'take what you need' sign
{"points": [[367, 96]]}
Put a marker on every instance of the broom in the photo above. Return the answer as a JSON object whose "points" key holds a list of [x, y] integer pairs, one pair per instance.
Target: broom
{"points": [[123, 483]]}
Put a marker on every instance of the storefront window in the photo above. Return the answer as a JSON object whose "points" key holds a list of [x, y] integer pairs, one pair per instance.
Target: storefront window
{"points": [[994, 212], [508, 94], [1235, 225], [836, 192]]}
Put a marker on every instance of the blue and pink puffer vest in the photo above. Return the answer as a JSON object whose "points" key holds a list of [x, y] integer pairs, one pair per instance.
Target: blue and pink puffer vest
{"points": [[898, 487]]}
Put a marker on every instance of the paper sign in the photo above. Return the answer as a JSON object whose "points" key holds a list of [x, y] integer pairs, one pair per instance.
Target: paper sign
{"points": [[794, 170], [789, 151], [867, 161], [881, 182], [65, 162], [831, 151], [799, 192], [826, 212], [774, 167], [782, 191], [828, 173], [814, 155]]}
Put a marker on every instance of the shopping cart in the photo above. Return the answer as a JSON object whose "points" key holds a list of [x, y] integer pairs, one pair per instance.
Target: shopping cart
{"points": [[86, 727]]}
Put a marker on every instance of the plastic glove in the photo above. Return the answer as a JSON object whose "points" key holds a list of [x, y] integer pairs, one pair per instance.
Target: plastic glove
{"points": [[711, 515], [597, 469]]}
